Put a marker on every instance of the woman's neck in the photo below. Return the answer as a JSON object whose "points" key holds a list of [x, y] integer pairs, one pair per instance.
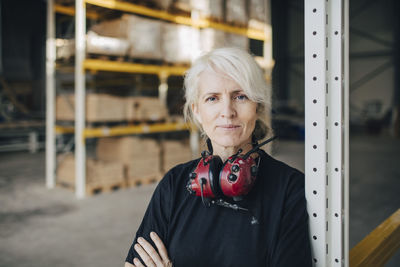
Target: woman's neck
{"points": [[225, 152]]}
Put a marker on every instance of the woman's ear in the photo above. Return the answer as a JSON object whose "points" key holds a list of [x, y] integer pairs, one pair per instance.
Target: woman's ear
{"points": [[196, 113]]}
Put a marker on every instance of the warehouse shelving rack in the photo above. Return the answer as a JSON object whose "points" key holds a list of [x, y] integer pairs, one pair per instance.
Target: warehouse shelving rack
{"points": [[82, 65], [326, 33]]}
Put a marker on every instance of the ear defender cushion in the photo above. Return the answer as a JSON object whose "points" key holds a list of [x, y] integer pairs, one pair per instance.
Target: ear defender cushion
{"points": [[215, 168]]}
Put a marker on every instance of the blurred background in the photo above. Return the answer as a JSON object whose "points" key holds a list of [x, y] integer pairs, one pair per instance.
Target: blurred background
{"points": [[135, 55]]}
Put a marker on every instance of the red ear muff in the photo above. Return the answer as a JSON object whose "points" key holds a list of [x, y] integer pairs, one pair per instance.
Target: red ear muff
{"points": [[204, 178], [214, 170], [211, 178], [237, 176]]}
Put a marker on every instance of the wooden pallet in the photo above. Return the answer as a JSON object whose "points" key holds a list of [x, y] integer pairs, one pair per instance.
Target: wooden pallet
{"points": [[145, 3], [107, 124], [137, 60], [96, 188], [107, 57], [149, 122], [136, 181], [179, 8], [146, 61]]}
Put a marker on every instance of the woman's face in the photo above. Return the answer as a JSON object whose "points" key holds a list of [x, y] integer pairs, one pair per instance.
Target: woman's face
{"points": [[226, 114]]}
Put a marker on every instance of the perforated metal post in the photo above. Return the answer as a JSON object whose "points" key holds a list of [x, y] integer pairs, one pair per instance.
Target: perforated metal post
{"points": [[326, 119], [50, 96], [163, 88], [80, 149], [33, 142]]}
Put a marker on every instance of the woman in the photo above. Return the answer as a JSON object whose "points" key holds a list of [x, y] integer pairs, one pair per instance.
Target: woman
{"points": [[227, 97]]}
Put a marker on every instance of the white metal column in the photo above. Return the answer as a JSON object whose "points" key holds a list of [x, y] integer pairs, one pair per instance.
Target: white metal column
{"points": [[345, 130], [326, 119], [80, 149], [50, 96]]}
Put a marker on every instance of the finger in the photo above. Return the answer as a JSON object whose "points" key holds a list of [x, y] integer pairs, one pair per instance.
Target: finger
{"points": [[128, 264], [160, 246], [150, 251], [143, 254], [137, 262]]}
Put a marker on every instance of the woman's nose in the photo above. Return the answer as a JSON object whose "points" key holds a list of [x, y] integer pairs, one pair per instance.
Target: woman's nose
{"points": [[228, 109]]}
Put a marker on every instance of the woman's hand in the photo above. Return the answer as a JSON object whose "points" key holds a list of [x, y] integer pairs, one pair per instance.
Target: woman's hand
{"points": [[149, 255]]}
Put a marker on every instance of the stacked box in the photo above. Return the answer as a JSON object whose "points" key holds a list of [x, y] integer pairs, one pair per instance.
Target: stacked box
{"points": [[212, 9], [140, 156], [97, 172], [156, 4], [202, 145], [143, 35], [236, 12], [237, 40], [163, 4], [65, 48], [175, 152], [117, 28], [103, 107], [211, 39], [99, 107], [261, 26], [184, 5], [260, 10], [143, 167], [180, 43], [142, 108], [65, 107], [127, 148], [111, 46]]}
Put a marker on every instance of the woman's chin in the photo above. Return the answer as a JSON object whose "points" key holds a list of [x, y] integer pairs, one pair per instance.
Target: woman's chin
{"points": [[232, 143]]}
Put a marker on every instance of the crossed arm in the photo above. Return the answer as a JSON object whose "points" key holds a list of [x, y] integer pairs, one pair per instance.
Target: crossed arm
{"points": [[150, 256]]}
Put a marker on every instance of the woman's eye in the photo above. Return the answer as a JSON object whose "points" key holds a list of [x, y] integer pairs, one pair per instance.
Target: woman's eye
{"points": [[241, 97], [211, 99]]}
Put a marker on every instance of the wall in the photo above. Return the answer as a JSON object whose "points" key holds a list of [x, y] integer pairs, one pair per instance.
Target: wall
{"points": [[371, 58]]}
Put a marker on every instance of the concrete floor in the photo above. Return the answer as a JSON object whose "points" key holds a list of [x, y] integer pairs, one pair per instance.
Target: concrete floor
{"points": [[40, 227]]}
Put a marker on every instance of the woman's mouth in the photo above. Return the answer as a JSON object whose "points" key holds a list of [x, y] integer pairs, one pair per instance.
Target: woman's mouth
{"points": [[228, 127]]}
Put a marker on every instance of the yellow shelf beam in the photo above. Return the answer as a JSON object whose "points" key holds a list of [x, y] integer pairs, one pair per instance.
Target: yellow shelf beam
{"points": [[379, 246], [125, 130], [159, 14], [70, 11], [64, 130], [108, 65]]}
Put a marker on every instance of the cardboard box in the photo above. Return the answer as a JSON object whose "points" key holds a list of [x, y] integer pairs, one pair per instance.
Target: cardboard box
{"points": [[175, 152], [99, 107], [211, 39], [237, 40], [163, 4], [236, 12], [117, 28], [97, 172], [181, 43], [212, 9], [140, 156], [143, 167], [183, 5], [260, 10], [126, 149], [65, 48], [142, 108], [103, 45], [143, 35]]}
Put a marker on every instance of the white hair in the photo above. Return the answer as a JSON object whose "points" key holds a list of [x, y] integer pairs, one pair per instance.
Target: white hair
{"points": [[239, 66]]}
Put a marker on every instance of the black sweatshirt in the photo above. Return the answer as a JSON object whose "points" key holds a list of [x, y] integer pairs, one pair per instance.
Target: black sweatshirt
{"points": [[195, 235]]}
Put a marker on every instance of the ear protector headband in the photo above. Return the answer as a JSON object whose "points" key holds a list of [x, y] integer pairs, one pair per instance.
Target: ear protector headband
{"points": [[234, 178]]}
